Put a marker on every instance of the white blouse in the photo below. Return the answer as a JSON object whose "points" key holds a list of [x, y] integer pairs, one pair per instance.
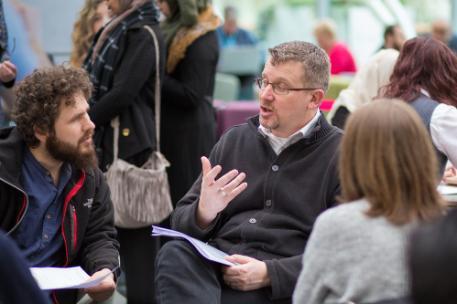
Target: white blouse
{"points": [[443, 130]]}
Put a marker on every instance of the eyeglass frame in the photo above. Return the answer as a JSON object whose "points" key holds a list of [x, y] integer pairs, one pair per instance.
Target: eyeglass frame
{"points": [[259, 81]]}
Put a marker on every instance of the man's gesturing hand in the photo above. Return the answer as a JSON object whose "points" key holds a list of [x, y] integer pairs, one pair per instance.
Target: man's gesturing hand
{"points": [[215, 195]]}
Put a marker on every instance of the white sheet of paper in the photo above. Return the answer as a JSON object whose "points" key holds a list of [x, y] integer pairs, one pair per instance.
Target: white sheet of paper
{"points": [[49, 278], [207, 251], [447, 190]]}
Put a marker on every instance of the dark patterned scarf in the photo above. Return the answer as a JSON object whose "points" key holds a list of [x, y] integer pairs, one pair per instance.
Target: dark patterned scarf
{"points": [[102, 57]]}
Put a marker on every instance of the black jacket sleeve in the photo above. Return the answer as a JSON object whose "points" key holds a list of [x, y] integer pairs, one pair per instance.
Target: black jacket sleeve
{"points": [[100, 248], [23, 288]]}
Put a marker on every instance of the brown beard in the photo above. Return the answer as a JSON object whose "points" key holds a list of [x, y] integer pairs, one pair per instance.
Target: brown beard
{"points": [[65, 152]]}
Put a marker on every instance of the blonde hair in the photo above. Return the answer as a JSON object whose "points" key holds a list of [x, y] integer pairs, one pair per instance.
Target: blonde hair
{"points": [[325, 27], [83, 33], [387, 158]]}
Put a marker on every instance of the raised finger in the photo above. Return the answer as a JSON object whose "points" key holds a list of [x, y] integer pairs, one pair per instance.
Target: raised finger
{"points": [[235, 182], [223, 180], [206, 165], [234, 193]]}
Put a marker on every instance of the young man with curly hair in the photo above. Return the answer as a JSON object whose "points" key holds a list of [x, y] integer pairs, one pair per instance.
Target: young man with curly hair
{"points": [[54, 201]]}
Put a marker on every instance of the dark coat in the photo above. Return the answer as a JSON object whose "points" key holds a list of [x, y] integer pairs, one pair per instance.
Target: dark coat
{"points": [[88, 217], [131, 96], [188, 118]]}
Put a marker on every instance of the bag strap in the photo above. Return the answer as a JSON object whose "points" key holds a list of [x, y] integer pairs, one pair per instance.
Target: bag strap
{"points": [[157, 100]]}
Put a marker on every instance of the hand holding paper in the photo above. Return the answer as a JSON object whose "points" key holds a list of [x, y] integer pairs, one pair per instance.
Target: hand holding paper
{"points": [[105, 287], [50, 278]]}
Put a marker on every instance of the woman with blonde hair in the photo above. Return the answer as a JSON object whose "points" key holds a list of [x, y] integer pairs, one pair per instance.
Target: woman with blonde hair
{"points": [[91, 19], [388, 167]]}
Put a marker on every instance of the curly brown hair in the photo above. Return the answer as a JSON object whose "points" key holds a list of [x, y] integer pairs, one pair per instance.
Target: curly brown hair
{"points": [[83, 34], [424, 63], [40, 94]]}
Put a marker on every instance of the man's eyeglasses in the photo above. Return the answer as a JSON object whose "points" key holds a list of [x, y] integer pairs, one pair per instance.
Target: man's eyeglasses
{"points": [[279, 88]]}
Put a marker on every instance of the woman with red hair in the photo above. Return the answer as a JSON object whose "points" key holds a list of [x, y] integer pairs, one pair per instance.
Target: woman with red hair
{"points": [[425, 76]]}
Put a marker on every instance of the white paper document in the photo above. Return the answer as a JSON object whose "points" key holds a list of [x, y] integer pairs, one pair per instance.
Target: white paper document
{"points": [[49, 278], [207, 251], [447, 190]]}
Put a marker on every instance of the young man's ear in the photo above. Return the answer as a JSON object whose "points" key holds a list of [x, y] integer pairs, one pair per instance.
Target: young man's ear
{"points": [[40, 133]]}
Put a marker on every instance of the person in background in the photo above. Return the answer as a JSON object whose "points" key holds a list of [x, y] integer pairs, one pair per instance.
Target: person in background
{"points": [[229, 34], [260, 191], [54, 202], [393, 37], [432, 261], [364, 87], [92, 17], [7, 68], [18, 284], [425, 76], [122, 68], [24, 47], [341, 58], [188, 117], [441, 30], [356, 252]]}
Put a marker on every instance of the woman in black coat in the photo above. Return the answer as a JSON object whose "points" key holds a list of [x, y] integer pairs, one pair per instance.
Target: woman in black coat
{"points": [[188, 117], [122, 68]]}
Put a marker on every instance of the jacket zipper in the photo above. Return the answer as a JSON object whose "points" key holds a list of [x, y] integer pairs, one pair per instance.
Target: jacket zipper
{"points": [[74, 227], [24, 201], [67, 200]]}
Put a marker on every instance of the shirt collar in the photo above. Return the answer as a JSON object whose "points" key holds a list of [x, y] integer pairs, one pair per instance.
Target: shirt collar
{"points": [[303, 131]]}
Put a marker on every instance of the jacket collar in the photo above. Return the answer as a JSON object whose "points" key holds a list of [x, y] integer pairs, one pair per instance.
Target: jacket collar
{"points": [[12, 156], [320, 129]]}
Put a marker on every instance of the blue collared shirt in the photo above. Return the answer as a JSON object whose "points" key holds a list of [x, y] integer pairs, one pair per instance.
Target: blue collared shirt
{"points": [[39, 235]]}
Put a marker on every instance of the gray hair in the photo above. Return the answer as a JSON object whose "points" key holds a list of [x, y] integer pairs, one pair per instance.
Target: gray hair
{"points": [[316, 64]]}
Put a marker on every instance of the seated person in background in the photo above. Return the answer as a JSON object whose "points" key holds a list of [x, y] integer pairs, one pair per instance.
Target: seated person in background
{"points": [[425, 76], [341, 58], [230, 35], [393, 37], [18, 284], [364, 86], [271, 178], [433, 262], [356, 252], [54, 202], [442, 31]]}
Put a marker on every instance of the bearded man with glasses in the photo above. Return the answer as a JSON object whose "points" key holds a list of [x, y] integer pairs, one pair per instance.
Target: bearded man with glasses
{"points": [[260, 191]]}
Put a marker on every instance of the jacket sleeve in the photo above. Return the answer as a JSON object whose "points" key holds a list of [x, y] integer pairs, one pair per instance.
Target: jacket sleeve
{"points": [[136, 67], [100, 247], [196, 71], [23, 288]]}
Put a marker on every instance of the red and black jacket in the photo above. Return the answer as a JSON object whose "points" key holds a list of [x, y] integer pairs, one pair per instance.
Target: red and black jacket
{"points": [[88, 219]]}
